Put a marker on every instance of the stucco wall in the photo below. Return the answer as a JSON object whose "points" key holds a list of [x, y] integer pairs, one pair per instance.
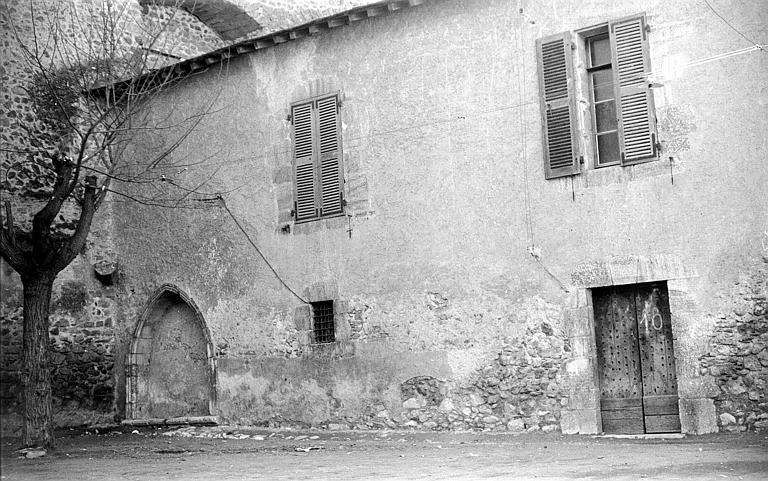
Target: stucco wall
{"points": [[445, 319], [446, 194]]}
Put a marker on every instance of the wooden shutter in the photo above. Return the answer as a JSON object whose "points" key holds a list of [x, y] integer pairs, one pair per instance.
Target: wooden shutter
{"points": [[304, 160], [558, 111], [329, 146], [636, 113]]}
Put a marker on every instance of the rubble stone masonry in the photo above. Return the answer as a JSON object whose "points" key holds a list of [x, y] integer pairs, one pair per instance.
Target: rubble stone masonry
{"points": [[738, 355]]}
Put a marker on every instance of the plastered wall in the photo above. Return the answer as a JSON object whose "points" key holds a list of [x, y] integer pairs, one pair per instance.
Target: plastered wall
{"points": [[431, 266], [461, 276]]}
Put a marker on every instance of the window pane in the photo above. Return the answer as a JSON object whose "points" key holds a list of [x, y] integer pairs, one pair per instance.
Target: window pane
{"points": [[599, 51], [607, 148], [605, 116], [602, 84]]}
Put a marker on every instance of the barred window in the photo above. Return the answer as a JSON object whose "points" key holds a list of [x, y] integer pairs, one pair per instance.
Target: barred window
{"points": [[323, 326]]}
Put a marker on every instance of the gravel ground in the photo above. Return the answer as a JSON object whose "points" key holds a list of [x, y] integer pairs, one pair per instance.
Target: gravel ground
{"points": [[228, 453]]}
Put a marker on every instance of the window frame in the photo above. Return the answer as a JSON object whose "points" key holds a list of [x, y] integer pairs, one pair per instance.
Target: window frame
{"points": [[317, 159], [319, 336], [637, 133], [598, 33]]}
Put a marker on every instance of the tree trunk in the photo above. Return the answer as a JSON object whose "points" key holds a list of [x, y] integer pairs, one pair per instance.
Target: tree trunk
{"points": [[36, 371]]}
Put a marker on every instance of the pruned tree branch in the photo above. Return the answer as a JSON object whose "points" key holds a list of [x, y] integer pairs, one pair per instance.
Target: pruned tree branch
{"points": [[74, 245], [9, 249], [41, 223]]}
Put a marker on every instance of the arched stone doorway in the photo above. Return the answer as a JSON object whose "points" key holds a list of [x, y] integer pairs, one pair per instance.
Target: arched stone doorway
{"points": [[171, 365]]}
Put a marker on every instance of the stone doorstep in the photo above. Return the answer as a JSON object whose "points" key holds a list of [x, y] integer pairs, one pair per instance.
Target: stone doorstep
{"points": [[642, 436], [182, 421]]}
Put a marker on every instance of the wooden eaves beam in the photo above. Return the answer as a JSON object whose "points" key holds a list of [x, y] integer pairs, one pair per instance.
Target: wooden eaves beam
{"points": [[312, 28]]}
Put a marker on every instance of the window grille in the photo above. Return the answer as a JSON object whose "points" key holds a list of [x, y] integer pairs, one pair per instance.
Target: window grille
{"points": [[323, 325]]}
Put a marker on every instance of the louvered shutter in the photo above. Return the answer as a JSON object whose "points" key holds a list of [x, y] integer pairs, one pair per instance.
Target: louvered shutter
{"points": [[636, 113], [558, 111], [329, 146], [304, 160]]}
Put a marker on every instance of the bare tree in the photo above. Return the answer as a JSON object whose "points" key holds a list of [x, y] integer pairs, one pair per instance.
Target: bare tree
{"points": [[95, 70]]}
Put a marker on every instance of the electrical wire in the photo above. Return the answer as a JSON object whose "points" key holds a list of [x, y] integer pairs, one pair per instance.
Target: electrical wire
{"points": [[732, 27], [253, 244], [694, 63], [523, 124], [479, 113], [554, 277], [523, 120]]}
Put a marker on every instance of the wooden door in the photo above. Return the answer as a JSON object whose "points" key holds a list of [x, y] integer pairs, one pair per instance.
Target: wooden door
{"points": [[657, 359], [636, 363], [618, 357]]}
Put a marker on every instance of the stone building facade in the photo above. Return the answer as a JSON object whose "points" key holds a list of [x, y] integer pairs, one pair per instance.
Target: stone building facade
{"points": [[85, 308], [462, 285]]}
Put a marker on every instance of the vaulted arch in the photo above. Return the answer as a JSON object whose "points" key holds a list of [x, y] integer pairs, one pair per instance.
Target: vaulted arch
{"points": [[171, 368]]}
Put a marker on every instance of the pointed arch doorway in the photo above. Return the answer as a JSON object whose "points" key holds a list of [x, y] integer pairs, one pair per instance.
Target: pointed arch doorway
{"points": [[171, 367]]}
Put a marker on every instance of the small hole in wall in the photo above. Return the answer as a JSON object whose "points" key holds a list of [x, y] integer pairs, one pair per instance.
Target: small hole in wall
{"points": [[106, 280], [105, 272]]}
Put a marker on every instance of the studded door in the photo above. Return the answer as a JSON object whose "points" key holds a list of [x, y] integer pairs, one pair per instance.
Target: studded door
{"points": [[636, 363]]}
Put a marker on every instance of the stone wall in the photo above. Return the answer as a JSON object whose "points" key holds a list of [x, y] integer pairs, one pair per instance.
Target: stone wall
{"points": [[84, 305], [180, 35], [461, 274], [517, 385], [738, 354], [173, 33], [519, 390], [81, 352]]}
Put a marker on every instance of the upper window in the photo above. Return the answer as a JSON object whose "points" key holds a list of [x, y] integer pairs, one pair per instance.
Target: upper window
{"points": [[620, 128], [318, 179], [603, 100]]}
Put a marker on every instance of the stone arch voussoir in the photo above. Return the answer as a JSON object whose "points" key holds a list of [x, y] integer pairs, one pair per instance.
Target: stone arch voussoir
{"points": [[138, 354]]}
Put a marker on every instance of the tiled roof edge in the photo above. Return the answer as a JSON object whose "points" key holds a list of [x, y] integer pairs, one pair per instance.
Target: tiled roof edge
{"points": [[186, 67]]}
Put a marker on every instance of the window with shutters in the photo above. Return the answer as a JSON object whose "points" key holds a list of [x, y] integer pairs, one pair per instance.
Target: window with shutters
{"points": [[620, 125], [318, 179]]}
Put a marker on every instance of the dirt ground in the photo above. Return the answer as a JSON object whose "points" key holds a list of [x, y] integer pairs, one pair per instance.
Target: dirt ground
{"points": [[243, 454]]}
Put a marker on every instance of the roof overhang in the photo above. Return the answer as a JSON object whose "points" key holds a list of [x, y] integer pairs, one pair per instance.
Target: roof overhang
{"points": [[180, 70]]}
